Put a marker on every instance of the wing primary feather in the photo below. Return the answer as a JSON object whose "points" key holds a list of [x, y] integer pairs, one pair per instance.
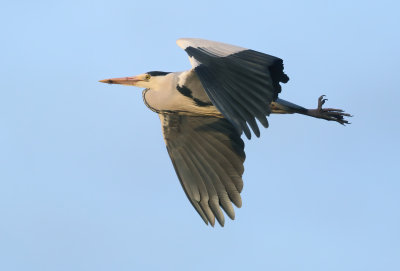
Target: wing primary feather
{"points": [[194, 177], [185, 172], [195, 204], [213, 158], [205, 198], [210, 174], [226, 159], [206, 209], [233, 191], [209, 190], [205, 192], [224, 188]]}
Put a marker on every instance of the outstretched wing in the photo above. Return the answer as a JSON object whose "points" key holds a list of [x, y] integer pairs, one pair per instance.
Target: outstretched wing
{"points": [[240, 82], [208, 155]]}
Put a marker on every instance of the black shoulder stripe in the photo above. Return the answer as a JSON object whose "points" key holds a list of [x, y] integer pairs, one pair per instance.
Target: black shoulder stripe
{"points": [[201, 103], [185, 91]]}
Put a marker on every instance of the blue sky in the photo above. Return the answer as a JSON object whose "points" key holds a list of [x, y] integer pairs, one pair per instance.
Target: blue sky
{"points": [[86, 182]]}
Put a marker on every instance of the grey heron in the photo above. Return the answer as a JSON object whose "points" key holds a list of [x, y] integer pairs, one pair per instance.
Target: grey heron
{"points": [[205, 110]]}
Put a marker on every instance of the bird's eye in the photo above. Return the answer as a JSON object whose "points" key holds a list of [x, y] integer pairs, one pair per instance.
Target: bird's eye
{"points": [[147, 76]]}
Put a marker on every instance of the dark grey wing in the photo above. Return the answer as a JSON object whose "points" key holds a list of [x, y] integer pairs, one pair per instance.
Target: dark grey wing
{"points": [[241, 83], [208, 155]]}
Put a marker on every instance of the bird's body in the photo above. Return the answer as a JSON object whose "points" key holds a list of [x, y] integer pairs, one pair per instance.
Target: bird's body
{"points": [[204, 111]]}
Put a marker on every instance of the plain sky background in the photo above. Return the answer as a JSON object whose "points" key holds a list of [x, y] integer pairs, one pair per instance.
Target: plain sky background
{"points": [[85, 179]]}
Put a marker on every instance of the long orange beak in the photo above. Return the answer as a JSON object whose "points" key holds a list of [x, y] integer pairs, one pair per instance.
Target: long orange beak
{"points": [[122, 81]]}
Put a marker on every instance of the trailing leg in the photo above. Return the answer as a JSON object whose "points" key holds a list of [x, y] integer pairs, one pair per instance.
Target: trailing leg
{"points": [[284, 107]]}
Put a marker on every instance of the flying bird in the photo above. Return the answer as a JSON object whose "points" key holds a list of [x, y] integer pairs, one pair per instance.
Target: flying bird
{"points": [[205, 110]]}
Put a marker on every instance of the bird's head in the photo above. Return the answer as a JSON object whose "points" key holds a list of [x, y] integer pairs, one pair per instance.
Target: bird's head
{"points": [[145, 80]]}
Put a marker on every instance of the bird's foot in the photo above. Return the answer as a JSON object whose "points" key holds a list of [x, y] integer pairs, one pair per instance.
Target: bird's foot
{"points": [[328, 113]]}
